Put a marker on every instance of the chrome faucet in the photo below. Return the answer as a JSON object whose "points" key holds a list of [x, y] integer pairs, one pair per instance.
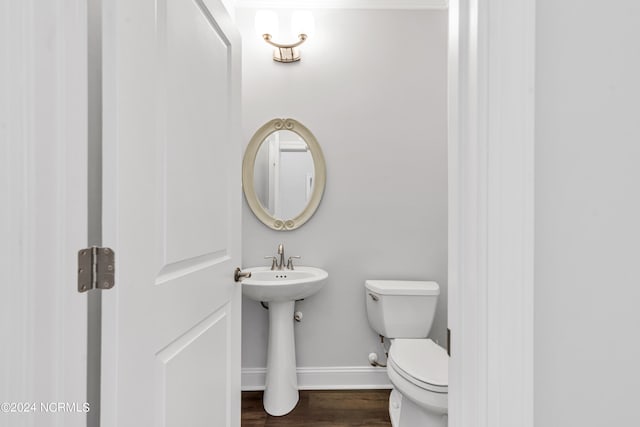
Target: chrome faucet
{"points": [[281, 264], [277, 263]]}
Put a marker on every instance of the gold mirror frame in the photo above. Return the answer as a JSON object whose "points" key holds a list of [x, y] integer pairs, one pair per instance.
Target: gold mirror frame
{"points": [[320, 174]]}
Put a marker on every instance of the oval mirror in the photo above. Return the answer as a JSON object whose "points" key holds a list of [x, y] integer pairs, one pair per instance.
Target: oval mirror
{"points": [[283, 174]]}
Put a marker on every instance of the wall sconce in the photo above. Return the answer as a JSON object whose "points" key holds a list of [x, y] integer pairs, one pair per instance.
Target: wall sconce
{"points": [[302, 25]]}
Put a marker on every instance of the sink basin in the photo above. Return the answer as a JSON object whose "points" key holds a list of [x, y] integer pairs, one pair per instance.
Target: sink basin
{"points": [[281, 289], [283, 285]]}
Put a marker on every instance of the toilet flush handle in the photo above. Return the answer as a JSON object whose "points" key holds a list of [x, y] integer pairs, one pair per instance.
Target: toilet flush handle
{"points": [[374, 296]]}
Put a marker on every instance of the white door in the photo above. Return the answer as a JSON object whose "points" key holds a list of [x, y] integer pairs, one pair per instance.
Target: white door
{"points": [[171, 212]]}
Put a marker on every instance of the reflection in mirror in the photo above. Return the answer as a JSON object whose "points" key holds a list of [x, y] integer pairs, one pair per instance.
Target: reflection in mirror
{"points": [[283, 174]]}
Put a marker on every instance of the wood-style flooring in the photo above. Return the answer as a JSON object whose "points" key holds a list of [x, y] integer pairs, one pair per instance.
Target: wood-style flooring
{"points": [[330, 408]]}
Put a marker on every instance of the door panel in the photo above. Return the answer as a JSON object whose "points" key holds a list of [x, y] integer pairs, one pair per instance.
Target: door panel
{"points": [[175, 374], [197, 92], [171, 326]]}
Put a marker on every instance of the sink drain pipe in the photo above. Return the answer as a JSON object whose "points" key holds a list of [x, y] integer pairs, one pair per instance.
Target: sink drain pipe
{"points": [[297, 316]]}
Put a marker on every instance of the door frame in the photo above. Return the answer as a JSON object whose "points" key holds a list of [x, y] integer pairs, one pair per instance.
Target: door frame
{"points": [[491, 211], [43, 193]]}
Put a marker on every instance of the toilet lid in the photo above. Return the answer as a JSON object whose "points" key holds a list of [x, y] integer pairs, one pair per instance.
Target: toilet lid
{"points": [[421, 361]]}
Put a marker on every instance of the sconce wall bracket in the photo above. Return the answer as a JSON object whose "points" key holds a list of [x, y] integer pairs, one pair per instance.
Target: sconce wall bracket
{"points": [[285, 52]]}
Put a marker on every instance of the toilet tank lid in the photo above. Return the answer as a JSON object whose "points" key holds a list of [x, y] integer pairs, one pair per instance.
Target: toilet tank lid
{"points": [[403, 287]]}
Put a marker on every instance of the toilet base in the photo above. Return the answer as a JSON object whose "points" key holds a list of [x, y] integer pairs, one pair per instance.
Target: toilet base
{"points": [[404, 413]]}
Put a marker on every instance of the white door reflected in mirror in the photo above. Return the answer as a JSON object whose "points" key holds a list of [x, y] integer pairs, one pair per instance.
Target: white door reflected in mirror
{"points": [[283, 174]]}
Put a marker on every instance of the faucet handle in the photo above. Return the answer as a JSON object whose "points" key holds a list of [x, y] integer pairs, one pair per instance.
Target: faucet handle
{"points": [[274, 261], [290, 262]]}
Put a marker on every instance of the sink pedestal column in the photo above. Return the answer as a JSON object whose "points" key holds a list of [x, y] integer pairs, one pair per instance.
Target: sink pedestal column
{"points": [[281, 385]]}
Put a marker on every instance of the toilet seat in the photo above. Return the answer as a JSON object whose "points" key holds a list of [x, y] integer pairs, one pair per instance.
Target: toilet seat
{"points": [[421, 362]]}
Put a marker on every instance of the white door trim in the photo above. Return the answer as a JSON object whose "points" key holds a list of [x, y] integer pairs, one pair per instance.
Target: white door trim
{"points": [[491, 179], [43, 210]]}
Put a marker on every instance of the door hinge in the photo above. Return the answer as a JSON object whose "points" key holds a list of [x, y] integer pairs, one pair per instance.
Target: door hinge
{"points": [[96, 268], [449, 342]]}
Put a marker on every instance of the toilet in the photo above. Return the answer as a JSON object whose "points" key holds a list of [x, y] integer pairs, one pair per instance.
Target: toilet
{"points": [[417, 367]]}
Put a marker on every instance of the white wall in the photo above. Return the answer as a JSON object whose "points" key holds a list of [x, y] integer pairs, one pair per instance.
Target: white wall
{"points": [[371, 86], [587, 287]]}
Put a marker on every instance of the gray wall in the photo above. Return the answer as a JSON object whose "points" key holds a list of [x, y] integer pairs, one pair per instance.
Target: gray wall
{"points": [[587, 286], [371, 86]]}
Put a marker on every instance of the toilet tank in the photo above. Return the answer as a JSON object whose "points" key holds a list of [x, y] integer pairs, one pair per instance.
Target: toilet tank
{"points": [[401, 308]]}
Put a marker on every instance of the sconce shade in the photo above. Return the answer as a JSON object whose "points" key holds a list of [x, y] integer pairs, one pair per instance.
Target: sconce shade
{"points": [[266, 22], [302, 22]]}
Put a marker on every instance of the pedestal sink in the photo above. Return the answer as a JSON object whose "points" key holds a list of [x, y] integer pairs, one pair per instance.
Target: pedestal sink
{"points": [[281, 289]]}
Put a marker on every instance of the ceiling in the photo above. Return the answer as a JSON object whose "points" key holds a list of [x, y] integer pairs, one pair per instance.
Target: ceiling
{"points": [[342, 4]]}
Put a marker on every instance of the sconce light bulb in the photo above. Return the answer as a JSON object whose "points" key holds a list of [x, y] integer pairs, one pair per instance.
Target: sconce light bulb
{"points": [[302, 22], [266, 22]]}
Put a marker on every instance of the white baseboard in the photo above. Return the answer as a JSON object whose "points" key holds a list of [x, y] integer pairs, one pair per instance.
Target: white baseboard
{"points": [[323, 378]]}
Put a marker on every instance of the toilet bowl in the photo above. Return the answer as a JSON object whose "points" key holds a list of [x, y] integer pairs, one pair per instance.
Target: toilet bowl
{"points": [[418, 370], [403, 311]]}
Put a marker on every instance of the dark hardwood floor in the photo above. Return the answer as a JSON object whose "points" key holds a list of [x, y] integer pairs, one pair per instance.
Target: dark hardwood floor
{"points": [[326, 408]]}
